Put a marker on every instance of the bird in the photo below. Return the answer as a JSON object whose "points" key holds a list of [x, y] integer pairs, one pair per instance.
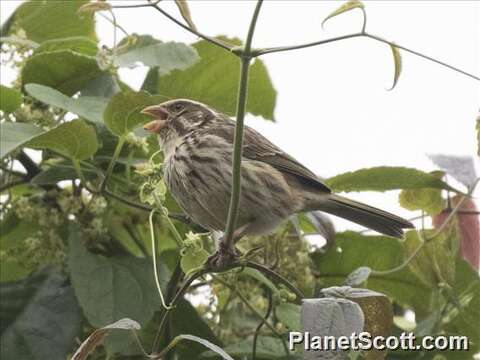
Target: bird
{"points": [[197, 142]]}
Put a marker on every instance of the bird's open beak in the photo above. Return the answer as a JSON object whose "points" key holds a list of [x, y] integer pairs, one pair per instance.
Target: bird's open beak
{"points": [[160, 115]]}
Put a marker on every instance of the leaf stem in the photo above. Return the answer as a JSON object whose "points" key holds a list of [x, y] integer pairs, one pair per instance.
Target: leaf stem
{"points": [[217, 42], [245, 57], [113, 160], [154, 259]]}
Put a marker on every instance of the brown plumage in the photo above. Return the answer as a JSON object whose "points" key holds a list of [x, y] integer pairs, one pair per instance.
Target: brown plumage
{"points": [[198, 145]]}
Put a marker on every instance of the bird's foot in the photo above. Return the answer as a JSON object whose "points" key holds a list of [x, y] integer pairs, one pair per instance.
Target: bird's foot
{"points": [[223, 257]]}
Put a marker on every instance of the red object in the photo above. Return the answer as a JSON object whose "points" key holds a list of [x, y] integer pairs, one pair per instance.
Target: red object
{"points": [[469, 227]]}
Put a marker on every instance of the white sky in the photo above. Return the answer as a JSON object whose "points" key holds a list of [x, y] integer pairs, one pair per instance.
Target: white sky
{"points": [[333, 111]]}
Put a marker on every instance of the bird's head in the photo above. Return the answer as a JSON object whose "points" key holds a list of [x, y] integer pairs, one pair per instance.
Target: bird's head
{"points": [[176, 118]]}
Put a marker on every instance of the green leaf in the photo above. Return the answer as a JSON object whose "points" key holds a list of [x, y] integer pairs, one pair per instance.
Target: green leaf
{"points": [[50, 19], [39, 317], [435, 262], [467, 288], [349, 5], [193, 259], [78, 44], [122, 113], [397, 60], [185, 12], [112, 288], [90, 108], [10, 99], [428, 200], [96, 338], [13, 135], [385, 178], [186, 319], [75, 139], [151, 52], [289, 314], [64, 70], [353, 250], [66, 171], [214, 81]]}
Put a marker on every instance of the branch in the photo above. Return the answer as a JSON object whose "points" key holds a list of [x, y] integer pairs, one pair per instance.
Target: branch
{"points": [[220, 43], [245, 58], [12, 184], [30, 166], [261, 52]]}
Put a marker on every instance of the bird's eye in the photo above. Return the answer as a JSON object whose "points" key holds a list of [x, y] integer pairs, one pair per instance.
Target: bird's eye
{"points": [[178, 107]]}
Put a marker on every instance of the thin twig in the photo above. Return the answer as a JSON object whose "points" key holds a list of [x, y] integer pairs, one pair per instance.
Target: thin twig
{"points": [[220, 43], [261, 52], [260, 325]]}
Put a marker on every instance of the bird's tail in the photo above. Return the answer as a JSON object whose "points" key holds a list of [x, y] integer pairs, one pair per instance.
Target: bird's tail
{"points": [[368, 216]]}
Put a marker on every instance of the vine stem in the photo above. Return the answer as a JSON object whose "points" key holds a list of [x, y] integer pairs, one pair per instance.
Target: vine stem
{"points": [[245, 59], [154, 260], [113, 160], [424, 241], [164, 212]]}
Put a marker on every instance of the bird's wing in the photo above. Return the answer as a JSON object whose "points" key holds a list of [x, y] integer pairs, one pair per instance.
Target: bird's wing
{"points": [[257, 147]]}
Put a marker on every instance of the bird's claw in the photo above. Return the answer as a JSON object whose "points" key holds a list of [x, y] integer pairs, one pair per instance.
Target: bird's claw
{"points": [[223, 257]]}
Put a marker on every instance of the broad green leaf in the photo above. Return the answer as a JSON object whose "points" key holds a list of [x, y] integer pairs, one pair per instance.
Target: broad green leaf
{"points": [[96, 338], [13, 135], [75, 139], [267, 348], [214, 81], [54, 174], [349, 5], [146, 50], [89, 108], [64, 70], [39, 317], [185, 12], [79, 44], [428, 200], [435, 262], [353, 250], [397, 61], [50, 19], [122, 113], [10, 99], [186, 319], [467, 288], [289, 314], [385, 178], [111, 288], [104, 86], [91, 8], [193, 259]]}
